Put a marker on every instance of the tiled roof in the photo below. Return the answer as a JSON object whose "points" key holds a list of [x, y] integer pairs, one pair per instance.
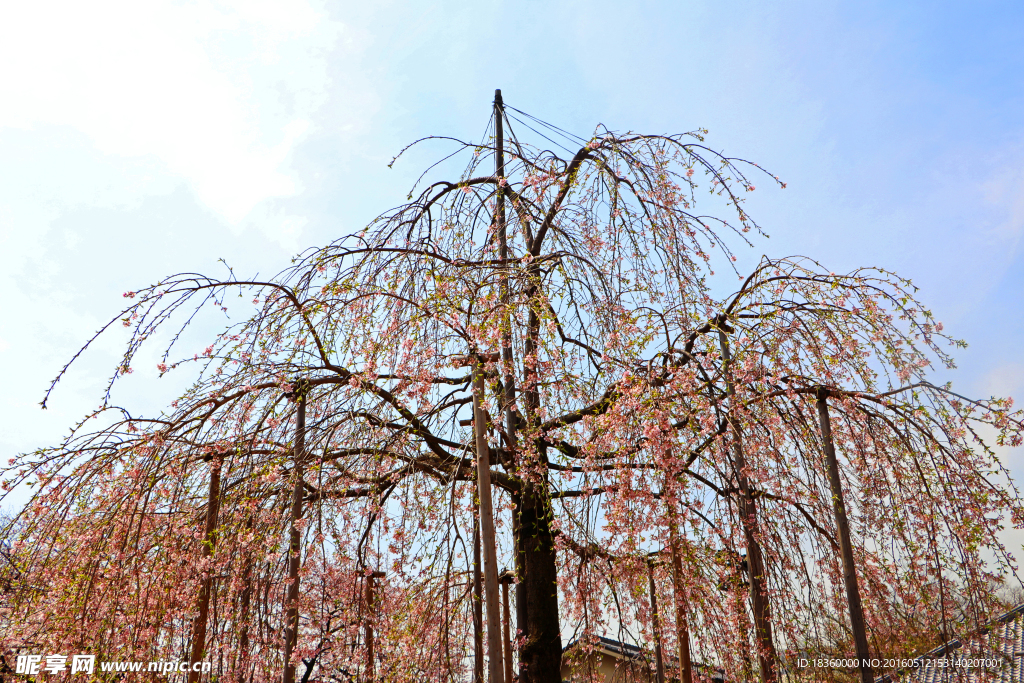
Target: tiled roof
{"points": [[995, 654], [612, 647], [625, 651]]}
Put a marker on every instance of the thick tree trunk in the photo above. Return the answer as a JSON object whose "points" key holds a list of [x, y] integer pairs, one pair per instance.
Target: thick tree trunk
{"points": [[540, 659], [860, 636], [541, 656], [519, 545], [199, 626]]}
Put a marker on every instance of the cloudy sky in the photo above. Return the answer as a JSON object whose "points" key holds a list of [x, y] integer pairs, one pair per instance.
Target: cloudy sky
{"points": [[139, 139]]}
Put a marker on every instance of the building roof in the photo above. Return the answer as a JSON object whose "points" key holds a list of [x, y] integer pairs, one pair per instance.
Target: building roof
{"points": [[615, 648], [628, 652], [994, 653]]}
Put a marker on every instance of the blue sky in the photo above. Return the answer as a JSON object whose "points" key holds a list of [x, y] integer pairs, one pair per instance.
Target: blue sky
{"points": [[142, 139]]}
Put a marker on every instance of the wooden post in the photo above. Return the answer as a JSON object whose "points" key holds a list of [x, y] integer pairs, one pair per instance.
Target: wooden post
{"points": [[209, 540], [860, 636], [747, 507], [291, 628], [368, 625], [507, 359], [478, 605], [483, 474], [509, 378], [655, 626], [506, 578]]}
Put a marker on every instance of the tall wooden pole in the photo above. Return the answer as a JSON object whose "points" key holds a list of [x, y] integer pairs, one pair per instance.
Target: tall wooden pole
{"points": [[747, 505], [860, 636], [291, 628], [483, 478], [209, 539], [478, 603], [507, 359], [655, 625], [506, 578], [509, 378]]}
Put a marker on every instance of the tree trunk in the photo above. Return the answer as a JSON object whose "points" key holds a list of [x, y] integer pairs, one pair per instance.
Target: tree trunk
{"points": [[655, 625], [682, 623], [371, 599], [540, 659], [739, 599], [245, 600], [541, 656], [860, 636], [291, 628], [519, 546], [747, 505], [199, 627]]}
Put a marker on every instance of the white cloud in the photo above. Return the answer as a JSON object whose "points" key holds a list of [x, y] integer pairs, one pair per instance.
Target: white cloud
{"points": [[219, 94], [1003, 190], [1004, 380]]}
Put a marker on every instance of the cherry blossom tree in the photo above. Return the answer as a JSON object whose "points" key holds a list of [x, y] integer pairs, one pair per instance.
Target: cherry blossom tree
{"points": [[923, 500], [545, 321]]}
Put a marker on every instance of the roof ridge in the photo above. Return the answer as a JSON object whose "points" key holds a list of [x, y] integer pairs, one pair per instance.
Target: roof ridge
{"points": [[955, 643]]}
